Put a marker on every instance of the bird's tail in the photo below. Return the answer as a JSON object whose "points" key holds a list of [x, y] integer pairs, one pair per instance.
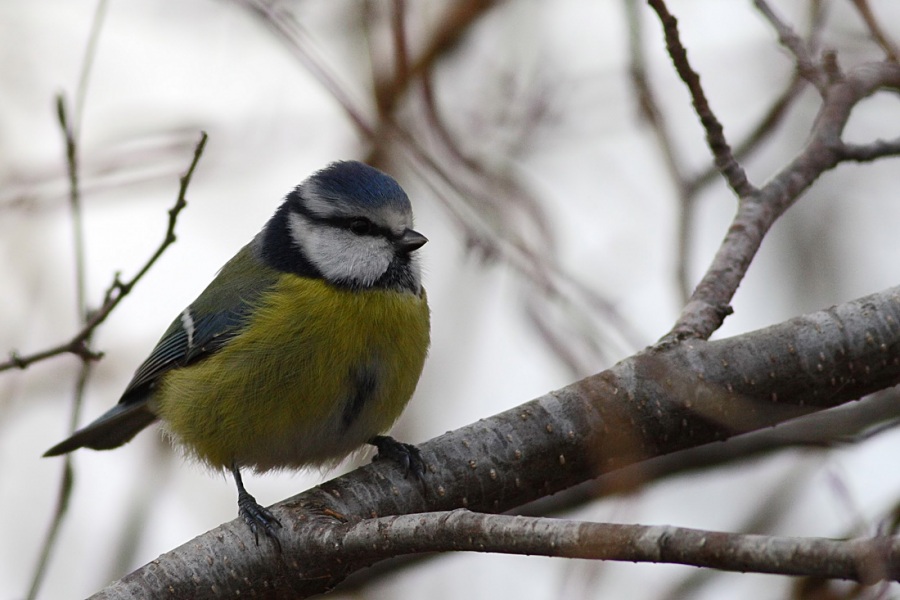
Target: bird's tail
{"points": [[112, 429]]}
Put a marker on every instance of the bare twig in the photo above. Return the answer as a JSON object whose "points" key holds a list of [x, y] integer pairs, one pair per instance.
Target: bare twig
{"points": [[767, 125], [687, 187], [715, 135], [118, 289], [709, 304]]}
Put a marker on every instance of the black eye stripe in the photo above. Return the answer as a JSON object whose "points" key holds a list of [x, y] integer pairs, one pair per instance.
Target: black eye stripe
{"points": [[344, 222], [352, 224]]}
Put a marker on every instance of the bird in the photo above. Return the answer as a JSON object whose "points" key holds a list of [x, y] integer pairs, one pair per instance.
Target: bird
{"points": [[306, 346]]}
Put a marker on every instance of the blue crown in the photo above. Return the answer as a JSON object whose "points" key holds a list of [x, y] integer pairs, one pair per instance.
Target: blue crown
{"points": [[362, 183]]}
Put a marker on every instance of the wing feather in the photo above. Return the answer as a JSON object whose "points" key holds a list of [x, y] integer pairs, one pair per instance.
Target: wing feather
{"points": [[219, 314]]}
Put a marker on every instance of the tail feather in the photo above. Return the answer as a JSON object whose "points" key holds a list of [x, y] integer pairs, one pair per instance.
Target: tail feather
{"points": [[112, 429]]}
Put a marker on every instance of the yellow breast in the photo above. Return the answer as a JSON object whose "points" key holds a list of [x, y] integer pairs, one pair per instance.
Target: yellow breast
{"points": [[317, 372]]}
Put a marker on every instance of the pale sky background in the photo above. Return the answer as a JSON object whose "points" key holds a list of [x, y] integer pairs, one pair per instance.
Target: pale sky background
{"points": [[165, 70]]}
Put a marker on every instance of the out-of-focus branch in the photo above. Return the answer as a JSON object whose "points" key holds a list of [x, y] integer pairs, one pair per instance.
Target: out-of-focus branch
{"points": [[808, 66], [455, 22], [487, 203], [878, 34], [648, 107], [137, 160], [65, 485]]}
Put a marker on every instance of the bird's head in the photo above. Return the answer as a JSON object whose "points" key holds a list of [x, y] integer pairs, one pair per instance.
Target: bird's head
{"points": [[349, 224]]}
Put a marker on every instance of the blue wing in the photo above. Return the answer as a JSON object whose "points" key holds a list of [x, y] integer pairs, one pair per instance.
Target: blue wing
{"points": [[215, 317], [178, 347], [187, 340]]}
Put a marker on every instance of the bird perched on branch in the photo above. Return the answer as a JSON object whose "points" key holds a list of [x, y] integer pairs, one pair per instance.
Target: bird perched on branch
{"points": [[306, 345]]}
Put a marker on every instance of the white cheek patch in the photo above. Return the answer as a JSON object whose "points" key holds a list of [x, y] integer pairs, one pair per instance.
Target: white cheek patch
{"points": [[339, 254]]}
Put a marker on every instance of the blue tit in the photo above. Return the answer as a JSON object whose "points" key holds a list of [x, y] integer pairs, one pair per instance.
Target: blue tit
{"points": [[307, 345]]}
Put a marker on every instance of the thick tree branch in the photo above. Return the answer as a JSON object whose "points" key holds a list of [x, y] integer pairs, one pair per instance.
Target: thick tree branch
{"points": [[684, 393], [654, 403], [867, 560], [844, 425]]}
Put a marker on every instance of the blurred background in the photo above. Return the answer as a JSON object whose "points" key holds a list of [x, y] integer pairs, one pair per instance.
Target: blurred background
{"points": [[565, 225]]}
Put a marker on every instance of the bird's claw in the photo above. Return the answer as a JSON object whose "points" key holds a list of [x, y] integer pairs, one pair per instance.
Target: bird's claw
{"points": [[406, 455], [257, 516]]}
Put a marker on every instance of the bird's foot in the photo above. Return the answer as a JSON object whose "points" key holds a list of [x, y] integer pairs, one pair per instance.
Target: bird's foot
{"points": [[406, 455], [258, 517]]}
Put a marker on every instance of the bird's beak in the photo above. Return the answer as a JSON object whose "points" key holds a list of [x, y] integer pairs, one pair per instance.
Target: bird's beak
{"points": [[410, 240]]}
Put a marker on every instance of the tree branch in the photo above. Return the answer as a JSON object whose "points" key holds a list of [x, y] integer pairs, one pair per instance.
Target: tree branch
{"points": [[118, 289], [809, 68], [684, 393], [715, 134], [654, 403], [851, 423], [890, 48], [867, 560], [710, 302]]}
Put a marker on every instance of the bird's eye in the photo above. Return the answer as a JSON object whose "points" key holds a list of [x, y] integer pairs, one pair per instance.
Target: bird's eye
{"points": [[361, 226]]}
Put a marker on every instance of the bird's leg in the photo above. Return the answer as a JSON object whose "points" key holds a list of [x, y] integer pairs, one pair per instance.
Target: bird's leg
{"points": [[406, 455], [252, 513]]}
